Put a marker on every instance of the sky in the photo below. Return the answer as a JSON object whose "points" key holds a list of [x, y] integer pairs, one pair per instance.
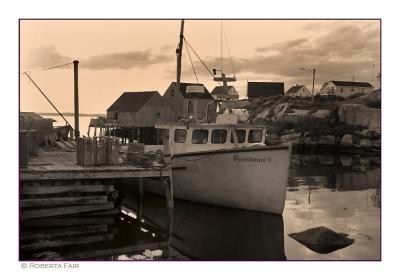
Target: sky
{"points": [[139, 55]]}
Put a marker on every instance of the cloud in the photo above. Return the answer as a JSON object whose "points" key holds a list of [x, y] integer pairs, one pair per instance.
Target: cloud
{"points": [[337, 52], [125, 60], [47, 56]]}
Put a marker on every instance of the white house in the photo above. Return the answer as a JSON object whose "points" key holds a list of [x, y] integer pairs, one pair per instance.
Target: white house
{"points": [[345, 88], [298, 90], [218, 93]]}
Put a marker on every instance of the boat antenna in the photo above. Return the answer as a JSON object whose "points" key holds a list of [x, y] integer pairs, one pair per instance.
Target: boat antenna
{"points": [[222, 54], [179, 58]]}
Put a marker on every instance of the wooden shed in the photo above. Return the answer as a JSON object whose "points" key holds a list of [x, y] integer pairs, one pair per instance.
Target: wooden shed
{"points": [[140, 109], [264, 89]]}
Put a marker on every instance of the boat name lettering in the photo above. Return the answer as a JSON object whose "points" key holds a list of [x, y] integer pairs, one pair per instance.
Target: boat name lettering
{"points": [[251, 159]]}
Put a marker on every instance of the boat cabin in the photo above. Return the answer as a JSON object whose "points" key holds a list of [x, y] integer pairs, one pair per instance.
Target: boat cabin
{"points": [[208, 137]]}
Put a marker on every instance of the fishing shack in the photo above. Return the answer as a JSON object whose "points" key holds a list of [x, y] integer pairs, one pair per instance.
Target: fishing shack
{"points": [[136, 113]]}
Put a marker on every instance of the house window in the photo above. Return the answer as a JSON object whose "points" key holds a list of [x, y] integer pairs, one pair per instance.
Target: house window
{"points": [[180, 135], [362, 90], [255, 136], [116, 115], [200, 136], [218, 136], [172, 92], [241, 135], [352, 89], [341, 89]]}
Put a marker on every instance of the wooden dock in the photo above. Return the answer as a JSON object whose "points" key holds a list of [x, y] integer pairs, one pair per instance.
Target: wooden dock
{"points": [[53, 184], [61, 165]]}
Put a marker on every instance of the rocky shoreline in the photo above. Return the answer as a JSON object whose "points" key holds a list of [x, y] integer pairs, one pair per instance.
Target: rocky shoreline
{"points": [[329, 124]]}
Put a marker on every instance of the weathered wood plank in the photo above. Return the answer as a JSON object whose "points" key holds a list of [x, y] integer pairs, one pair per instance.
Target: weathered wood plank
{"points": [[49, 212], [91, 174], [49, 233], [66, 188], [66, 242], [66, 221], [54, 201]]}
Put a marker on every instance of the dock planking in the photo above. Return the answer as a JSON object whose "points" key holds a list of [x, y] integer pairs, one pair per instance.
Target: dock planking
{"points": [[61, 165]]}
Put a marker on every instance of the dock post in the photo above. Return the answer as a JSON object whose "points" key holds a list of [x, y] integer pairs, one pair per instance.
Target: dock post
{"points": [[76, 98], [169, 192], [140, 200]]}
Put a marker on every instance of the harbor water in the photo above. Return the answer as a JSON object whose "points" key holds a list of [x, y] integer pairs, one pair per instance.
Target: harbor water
{"points": [[342, 193]]}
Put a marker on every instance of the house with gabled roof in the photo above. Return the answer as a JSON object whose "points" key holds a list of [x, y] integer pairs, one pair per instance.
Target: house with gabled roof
{"points": [[192, 101], [140, 109], [298, 90], [219, 94], [345, 88], [265, 89]]}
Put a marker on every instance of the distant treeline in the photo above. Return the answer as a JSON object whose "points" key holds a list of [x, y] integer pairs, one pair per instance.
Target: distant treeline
{"points": [[72, 114]]}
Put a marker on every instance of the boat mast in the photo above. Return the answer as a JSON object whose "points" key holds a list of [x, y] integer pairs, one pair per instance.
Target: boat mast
{"points": [[179, 58]]}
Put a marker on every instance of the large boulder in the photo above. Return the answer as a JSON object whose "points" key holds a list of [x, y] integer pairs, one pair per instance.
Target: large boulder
{"points": [[263, 115], [322, 240], [279, 111], [321, 114], [365, 143], [347, 140], [358, 114], [326, 140], [296, 115], [371, 133]]}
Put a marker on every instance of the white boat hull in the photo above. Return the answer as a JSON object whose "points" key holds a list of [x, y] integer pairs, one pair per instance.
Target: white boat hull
{"points": [[252, 178]]}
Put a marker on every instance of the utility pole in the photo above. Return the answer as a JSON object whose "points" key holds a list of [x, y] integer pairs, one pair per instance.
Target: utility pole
{"points": [[76, 99], [313, 82]]}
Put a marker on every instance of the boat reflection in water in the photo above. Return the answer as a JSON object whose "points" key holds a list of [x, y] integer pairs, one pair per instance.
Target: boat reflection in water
{"points": [[208, 232]]}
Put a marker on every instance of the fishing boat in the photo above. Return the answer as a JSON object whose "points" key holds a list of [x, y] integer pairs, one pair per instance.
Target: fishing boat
{"points": [[226, 163]]}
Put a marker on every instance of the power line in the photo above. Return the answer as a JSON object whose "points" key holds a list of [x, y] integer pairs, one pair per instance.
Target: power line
{"points": [[59, 66]]}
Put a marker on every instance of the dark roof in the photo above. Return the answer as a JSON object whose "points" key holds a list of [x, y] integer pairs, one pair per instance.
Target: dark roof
{"points": [[29, 115], [131, 101], [351, 84], [196, 95], [218, 90], [261, 89], [294, 89]]}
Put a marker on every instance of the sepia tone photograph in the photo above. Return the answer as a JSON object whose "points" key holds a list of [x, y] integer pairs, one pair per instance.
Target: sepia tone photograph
{"points": [[199, 139]]}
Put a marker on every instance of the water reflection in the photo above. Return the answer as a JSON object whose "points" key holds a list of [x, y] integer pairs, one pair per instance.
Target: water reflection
{"points": [[206, 232], [342, 193], [87, 238]]}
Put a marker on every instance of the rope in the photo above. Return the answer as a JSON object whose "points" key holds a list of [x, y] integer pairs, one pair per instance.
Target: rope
{"points": [[209, 71], [48, 100], [59, 66], [194, 70]]}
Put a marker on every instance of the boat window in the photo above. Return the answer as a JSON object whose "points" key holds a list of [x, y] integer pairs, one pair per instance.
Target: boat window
{"points": [[255, 136], [241, 135], [200, 136], [218, 136], [180, 135]]}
